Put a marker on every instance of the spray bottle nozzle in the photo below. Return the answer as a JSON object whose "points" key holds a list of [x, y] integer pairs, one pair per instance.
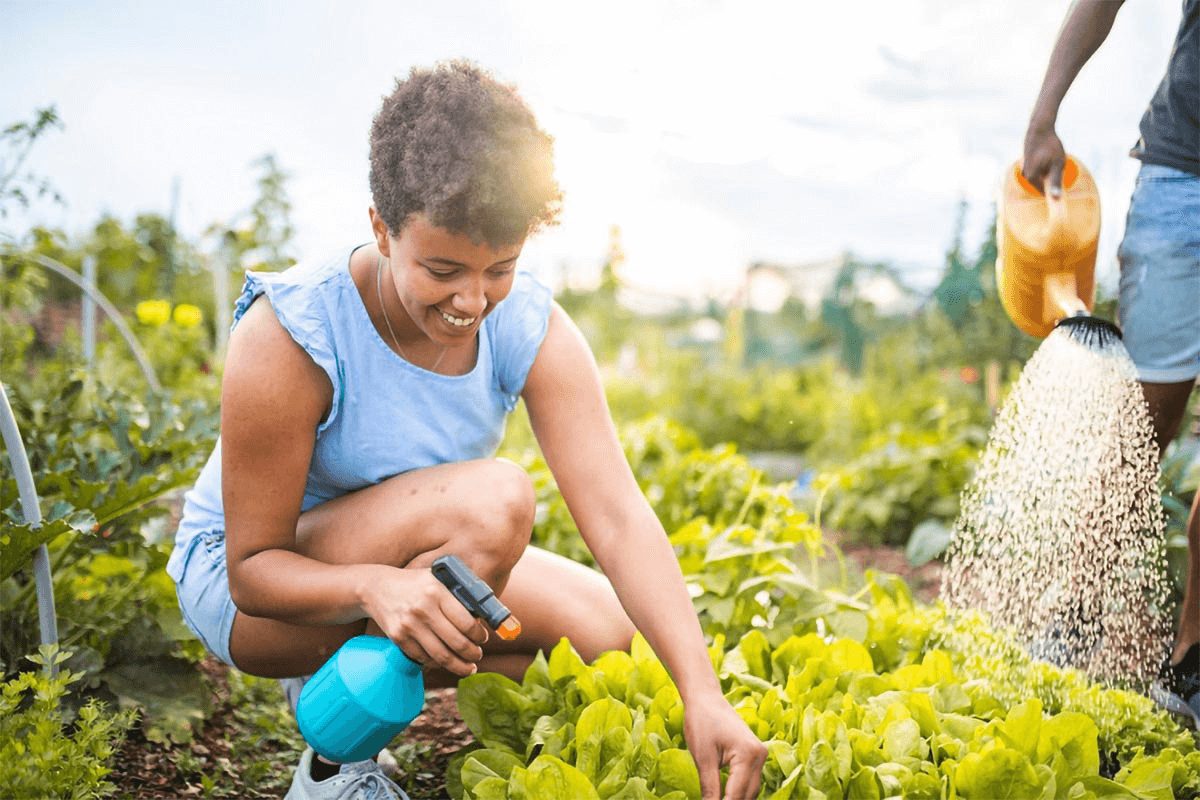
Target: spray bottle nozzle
{"points": [[475, 595]]}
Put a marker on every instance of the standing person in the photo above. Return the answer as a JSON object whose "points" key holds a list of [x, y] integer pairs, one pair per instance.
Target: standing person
{"points": [[1160, 263], [363, 399]]}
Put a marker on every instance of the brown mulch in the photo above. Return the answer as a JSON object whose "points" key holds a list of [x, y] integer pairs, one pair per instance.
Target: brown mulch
{"points": [[925, 580], [440, 724], [146, 770]]}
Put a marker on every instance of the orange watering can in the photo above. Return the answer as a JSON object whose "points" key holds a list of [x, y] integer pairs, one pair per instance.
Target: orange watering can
{"points": [[1045, 267]]}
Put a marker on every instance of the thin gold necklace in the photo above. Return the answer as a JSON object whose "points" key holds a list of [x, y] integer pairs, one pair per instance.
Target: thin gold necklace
{"points": [[388, 322]]}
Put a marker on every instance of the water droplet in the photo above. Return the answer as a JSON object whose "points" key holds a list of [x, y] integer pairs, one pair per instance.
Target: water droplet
{"points": [[1060, 538]]}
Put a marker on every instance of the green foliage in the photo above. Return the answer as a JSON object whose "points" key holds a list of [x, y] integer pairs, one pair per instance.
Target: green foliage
{"points": [[836, 721], [134, 261], [259, 238], [893, 447], [850, 317], [791, 336], [1127, 722], [103, 451], [760, 408], [131, 264], [16, 140], [103, 457], [682, 480], [903, 477], [921, 704], [42, 754], [182, 357], [970, 324], [146, 259], [856, 696]]}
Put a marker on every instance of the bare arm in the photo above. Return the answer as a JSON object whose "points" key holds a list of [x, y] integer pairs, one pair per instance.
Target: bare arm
{"points": [[1085, 29], [273, 398], [570, 418]]}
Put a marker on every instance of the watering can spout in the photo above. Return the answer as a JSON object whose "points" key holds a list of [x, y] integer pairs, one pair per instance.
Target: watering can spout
{"points": [[1061, 297]]}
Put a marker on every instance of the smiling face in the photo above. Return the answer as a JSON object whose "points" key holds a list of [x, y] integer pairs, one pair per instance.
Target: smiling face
{"points": [[446, 283]]}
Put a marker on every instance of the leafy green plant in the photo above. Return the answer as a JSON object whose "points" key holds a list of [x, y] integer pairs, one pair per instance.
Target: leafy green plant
{"points": [[904, 476], [100, 455], [899, 713], [893, 447], [103, 459], [857, 696], [760, 407], [16, 141], [682, 480], [42, 753]]}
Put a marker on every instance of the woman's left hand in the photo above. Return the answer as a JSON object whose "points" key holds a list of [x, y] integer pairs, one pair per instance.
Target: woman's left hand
{"points": [[580, 444], [717, 737]]}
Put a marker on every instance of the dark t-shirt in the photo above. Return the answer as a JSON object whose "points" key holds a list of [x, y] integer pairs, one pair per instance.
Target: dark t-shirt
{"points": [[1170, 132]]}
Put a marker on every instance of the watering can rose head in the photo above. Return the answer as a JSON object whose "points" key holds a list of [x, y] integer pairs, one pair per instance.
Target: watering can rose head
{"points": [[153, 312]]}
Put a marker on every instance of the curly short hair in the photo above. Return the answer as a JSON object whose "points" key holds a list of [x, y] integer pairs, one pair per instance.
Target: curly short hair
{"points": [[454, 143]]}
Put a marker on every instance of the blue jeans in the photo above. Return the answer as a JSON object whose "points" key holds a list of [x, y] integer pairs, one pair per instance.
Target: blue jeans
{"points": [[203, 591], [1159, 305]]}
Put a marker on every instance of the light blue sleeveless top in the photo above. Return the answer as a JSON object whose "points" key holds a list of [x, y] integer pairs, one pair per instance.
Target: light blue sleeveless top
{"points": [[387, 415]]}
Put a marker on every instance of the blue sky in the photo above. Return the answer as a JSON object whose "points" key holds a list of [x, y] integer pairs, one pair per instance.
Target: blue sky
{"points": [[714, 133]]}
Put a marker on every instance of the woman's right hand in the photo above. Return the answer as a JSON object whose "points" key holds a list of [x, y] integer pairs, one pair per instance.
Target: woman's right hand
{"points": [[1044, 159], [420, 615]]}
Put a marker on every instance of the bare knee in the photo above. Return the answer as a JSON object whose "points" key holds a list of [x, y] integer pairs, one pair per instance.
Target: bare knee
{"points": [[614, 632], [496, 526]]}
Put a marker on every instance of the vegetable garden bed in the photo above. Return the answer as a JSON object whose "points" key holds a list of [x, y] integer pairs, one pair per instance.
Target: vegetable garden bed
{"points": [[234, 733]]}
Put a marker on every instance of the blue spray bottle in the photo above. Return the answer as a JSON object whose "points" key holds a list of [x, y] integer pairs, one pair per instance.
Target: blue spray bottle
{"points": [[369, 691]]}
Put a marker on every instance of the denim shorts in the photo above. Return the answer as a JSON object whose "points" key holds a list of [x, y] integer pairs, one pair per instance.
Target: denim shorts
{"points": [[203, 590], [1159, 305]]}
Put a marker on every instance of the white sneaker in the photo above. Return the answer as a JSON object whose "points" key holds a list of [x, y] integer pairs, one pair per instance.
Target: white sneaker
{"points": [[292, 688], [362, 780], [388, 764]]}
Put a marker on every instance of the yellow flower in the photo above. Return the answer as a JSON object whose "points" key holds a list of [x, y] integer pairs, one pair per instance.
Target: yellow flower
{"points": [[153, 312], [187, 315]]}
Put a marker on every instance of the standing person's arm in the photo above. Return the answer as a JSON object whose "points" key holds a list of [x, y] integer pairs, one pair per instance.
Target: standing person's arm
{"points": [[1085, 29], [570, 417]]}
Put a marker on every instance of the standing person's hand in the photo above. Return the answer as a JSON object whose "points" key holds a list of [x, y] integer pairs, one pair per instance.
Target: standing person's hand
{"points": [[1044, 159], [717, 737]]}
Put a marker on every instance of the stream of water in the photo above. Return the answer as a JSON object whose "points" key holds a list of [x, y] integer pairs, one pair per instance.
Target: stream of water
{"points": [[1060, 537]]}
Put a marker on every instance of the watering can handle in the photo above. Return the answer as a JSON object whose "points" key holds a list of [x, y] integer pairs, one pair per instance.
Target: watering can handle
{"points": [[1056, 216]]}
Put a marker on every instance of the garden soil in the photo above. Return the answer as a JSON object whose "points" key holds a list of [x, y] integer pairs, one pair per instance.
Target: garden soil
{"points": [[145, 770]]}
